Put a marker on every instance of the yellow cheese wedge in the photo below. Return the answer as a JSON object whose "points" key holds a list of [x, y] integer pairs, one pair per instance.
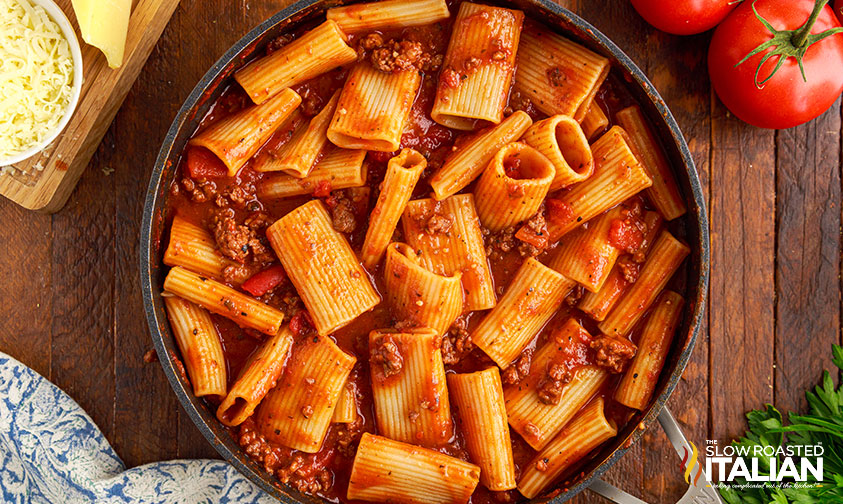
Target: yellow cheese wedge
{"points": [[104, 25]]}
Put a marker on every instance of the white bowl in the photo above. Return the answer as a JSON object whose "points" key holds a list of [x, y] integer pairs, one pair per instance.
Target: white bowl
{"points": [[60, 18]]}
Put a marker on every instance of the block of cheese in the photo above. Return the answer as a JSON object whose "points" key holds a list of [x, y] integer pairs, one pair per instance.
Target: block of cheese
{"points": [[104, 25]]}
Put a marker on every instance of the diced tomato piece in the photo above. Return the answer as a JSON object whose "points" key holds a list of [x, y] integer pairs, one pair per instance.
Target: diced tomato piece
{"points": [[323, 189], [263, 282], [204, 164], [301, 323], [536, 239], [558, 211]]}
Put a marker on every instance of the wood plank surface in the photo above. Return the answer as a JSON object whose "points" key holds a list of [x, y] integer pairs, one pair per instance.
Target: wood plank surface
{"points": [[73, 308]]}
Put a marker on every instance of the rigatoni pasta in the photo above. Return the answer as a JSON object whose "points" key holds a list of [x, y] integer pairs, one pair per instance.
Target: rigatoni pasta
{"points": [[513, 186], [317, 51], [388, 14], [408, 386], [418, 296], [319, 261], [664, 193], [557, 75], [298, 411], [594, 122], [663, 260], [338, 169], [638, 383], [477, 71], [479, 399], [219, 298], [561, 140], [373, 108], [448, 238], [390, 471], [589, 429], [402, 173], [192, 247], [587, 255], [469, 160], [258, 376], [530, 413], [306, 146], [236, 138], [199, 343], [531, 299], [346, 410], [617, 176]]}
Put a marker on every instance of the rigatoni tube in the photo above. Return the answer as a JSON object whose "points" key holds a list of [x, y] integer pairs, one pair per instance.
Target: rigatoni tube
{"points": [[402, 173], [471, 157], [536, 417], [298, 411], [587, 255], [390, 471], [373, 108], [479, 399], [639, 381], [408, 385], [561, 140], [664, 193], [513, 186], [477, 71], [258, 377], [531, 299], [236, 138], [321, 265], [316, 52], [388, 14], [617, 176], [199, 344], [588, 430], [557, 75], [338, 169], [299, 155], [663, 260], [448, 238], [219, 298], [194, 248], [346, 410], [418, 296], [594, 122]]}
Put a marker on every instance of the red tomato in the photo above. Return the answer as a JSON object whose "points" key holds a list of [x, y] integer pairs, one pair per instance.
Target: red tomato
{"points": [[684, 17], [263, 282], [838, 9], [786, 99], [204, 164]]}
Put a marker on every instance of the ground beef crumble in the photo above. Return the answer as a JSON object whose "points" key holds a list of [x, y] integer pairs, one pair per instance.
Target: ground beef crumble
{"points": [[348, 435], [385, 352], [236, 241], [553, 382], [201, 191], [437, 223], [456, 343], [612, 353], [397, 54], [519, 369], [342, 212]]}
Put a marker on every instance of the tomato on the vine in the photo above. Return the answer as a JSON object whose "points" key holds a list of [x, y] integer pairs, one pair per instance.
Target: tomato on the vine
{"points": [[684, 17], [778, 63]]}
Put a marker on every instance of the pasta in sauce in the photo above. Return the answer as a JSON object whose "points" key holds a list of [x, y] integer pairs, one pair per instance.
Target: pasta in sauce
{"points": [[476, 314]]}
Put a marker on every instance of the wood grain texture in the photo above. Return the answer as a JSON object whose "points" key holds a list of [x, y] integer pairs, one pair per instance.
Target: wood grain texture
{"points": [[807, 255], [103, 90], [74, 309]]}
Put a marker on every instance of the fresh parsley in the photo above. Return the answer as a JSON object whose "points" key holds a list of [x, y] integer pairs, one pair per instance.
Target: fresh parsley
{"points": [[823, 425]]}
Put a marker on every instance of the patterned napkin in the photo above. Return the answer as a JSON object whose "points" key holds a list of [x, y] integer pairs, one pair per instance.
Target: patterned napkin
{"points": [[51, 452]]}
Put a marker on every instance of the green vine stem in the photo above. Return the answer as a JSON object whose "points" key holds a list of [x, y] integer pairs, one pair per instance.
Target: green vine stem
{"points": [[788, 43]]}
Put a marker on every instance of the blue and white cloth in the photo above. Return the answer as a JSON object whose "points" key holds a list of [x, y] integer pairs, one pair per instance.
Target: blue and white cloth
{"points": [[52, 452]]}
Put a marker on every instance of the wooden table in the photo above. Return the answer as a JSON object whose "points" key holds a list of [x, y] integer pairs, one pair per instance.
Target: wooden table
{"points": [[72, 305]]}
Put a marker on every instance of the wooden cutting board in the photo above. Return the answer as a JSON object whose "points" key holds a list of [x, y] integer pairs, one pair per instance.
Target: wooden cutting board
{"points": [[45, 181]]}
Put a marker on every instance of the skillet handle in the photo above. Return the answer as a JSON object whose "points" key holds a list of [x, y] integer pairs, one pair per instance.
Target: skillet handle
{"points": [[700, 489]]}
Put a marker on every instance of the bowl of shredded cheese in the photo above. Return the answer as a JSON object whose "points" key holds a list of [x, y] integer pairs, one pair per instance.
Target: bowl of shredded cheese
{"points": [[40, 76]]}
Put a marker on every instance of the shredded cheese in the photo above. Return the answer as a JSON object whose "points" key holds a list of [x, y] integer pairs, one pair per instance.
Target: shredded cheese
{"points": [[36, 75]]}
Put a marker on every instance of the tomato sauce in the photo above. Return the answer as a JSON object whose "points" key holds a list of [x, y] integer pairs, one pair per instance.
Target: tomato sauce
{"points": [[435, 142]]}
